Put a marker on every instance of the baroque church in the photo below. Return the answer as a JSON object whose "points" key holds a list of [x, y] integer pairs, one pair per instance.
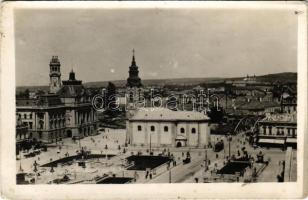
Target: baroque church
{"points": [[161, 127], [66, 110]]}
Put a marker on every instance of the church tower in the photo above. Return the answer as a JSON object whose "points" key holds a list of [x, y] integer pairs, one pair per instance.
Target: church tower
{"points": [[134, 91], [54, 74], [133, 79], [133, 86]]}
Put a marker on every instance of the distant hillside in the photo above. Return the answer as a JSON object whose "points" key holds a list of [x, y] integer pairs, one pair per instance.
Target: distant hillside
{"points": [[281, 77], [157, 82], [31, 88]]}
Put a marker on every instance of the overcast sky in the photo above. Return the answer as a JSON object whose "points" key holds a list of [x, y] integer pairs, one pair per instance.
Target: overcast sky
{"points": [[98, 44]]}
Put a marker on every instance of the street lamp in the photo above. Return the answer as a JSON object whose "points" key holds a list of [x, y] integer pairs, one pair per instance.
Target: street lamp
{"points": [[150, 143], [169, 171], [229, 138], [20, 156], [205, 160]]}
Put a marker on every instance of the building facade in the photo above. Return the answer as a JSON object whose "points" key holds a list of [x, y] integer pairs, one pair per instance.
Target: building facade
{"points": [[66, 111], [278, 130], [161, 127], [22, 132]]}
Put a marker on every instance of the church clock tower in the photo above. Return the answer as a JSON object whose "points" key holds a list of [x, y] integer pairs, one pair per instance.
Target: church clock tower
{"points": [[133, 86], [54, 74], [134, 92], [133, 78]]}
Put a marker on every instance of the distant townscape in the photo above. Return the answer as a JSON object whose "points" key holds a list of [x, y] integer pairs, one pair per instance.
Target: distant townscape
{"points": [[190, 130]]}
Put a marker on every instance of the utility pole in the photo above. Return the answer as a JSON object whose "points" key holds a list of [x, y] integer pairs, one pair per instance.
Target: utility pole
{"points": [[150, 143], [79, 142], [170, 172], [205, 160], [20, 156], [229, 140]]}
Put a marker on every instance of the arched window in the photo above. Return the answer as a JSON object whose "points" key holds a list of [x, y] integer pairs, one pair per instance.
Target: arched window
{"points": [[31, 116], [131, 96], [166, 128], [139, 128], [25, 116], [293, 132], [278, 131], [152, 128], [289, 132], [264, 130], [193, 130], [182, 130]]}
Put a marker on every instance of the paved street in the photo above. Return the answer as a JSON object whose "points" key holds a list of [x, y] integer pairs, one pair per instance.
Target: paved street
{"points": [[115, 137]]}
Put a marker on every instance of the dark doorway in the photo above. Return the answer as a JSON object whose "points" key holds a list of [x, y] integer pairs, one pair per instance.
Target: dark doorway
{"points": [[69, 133], [179, 144]]}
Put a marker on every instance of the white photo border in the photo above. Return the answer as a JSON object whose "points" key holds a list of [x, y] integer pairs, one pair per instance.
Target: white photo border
{"points": [[10, 190]]}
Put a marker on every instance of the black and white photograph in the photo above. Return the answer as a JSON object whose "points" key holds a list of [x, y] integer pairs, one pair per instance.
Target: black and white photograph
{"points": [[157, 94]]}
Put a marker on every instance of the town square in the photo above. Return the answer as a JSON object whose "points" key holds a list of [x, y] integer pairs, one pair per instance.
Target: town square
{"points": [[147, 96]]}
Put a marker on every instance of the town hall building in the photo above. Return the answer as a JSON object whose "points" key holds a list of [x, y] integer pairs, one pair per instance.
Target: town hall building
{"points": [[66, 110]]}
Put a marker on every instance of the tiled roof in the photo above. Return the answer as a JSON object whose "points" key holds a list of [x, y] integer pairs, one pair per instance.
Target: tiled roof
{"points": [[42, 100], [258, 105], [71, 91], [164, 114], [285, 117]]}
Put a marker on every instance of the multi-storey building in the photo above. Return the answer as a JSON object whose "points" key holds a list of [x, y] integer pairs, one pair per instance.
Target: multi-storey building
{"points": [[21, 130], [278, 130], [66, 111]]}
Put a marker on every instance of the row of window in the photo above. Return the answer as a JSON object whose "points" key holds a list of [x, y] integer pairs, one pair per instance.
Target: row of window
{"points": [[25, 116], [166, 129], [30, 124], [85, 116], [55, 69], [280, 131]]}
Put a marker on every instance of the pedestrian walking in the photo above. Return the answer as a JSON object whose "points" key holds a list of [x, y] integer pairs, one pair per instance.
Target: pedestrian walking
{"points": [[196, 180]]}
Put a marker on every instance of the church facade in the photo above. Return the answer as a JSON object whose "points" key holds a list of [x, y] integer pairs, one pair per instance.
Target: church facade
{"points": [[66, 111], [161, 127]]}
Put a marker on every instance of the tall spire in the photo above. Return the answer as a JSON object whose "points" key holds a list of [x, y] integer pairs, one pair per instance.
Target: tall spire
{"points": [[72, 75], [133, 61], [133, 79]]}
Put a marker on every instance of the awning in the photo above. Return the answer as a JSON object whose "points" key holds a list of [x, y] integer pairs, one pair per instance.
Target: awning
{"points": [[291, 140], [271, 141]]}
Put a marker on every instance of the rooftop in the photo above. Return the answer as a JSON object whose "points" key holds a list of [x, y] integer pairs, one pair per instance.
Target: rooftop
{"points": [[164, 114], [285, 117], [257, 105]]}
